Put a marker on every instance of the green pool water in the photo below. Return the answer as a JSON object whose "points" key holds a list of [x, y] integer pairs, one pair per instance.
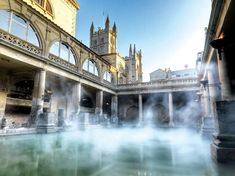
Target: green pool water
{"points": [[109, 152]]}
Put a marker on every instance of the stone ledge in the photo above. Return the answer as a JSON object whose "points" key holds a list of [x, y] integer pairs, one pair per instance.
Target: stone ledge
{"points": [[222, 154]]}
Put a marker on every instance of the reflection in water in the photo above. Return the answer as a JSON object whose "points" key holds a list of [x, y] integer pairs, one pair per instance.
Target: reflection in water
{"points": [[109, 152]]}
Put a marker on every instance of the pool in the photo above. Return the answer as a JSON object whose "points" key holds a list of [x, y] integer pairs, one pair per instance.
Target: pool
{"points": [[110, 152]]}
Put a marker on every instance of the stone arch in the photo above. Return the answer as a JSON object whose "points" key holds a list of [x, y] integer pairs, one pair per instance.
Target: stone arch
{"points": [[30, 23], [70, 49], [95, 64], [106, 73]]}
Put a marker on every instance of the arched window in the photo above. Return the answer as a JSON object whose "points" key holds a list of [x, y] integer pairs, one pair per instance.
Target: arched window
{"points": [[45, 4], [107, 76], [63, 51], [90, 66], [18, 26]]}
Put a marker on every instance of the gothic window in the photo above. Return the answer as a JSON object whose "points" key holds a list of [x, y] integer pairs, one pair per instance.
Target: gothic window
{"points": [[45, 5], [107, 76], [63, 51], [90, 66], [18, 26], [95, 42]]}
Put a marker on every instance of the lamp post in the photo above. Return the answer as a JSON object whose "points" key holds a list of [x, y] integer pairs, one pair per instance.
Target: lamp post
{"points": [[221, 44]]}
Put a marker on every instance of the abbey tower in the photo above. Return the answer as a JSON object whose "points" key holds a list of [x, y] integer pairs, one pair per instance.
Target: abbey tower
{"points": [[104, 43]]}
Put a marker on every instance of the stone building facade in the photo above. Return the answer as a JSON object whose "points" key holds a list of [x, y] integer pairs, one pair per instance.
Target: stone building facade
{"points": [[44, 69], [168, 74]]}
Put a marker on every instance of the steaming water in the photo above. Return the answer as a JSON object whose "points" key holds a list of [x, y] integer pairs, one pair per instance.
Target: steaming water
{"points": [[109, 152]]}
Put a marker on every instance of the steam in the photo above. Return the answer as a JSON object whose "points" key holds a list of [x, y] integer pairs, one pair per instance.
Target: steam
{"points": [[139, 151]]}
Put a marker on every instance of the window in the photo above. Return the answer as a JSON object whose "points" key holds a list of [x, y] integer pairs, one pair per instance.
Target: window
{"points": [[19, 27], [90, 66], [41, 2], [44, 4], [107, 76], [63, 51]]}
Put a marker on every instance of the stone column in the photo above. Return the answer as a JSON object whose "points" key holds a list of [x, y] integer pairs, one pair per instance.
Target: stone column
{"points": [[207, 126], [3, 100], [214, 87], [38, 95], [140, 109], [223, 76], [99, 103], [76, 97], [114, 106], [171, 120], [4, 86], [206, 99]]}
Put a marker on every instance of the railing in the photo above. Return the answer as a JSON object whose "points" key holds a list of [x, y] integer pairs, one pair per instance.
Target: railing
{"points": [[161, 83], [62, 62], [19, 43]]}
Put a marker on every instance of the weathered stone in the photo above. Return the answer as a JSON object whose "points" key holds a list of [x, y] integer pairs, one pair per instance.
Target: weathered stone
{"points": [[207, 127], [45, 123], [223, 147], [61, 117]]}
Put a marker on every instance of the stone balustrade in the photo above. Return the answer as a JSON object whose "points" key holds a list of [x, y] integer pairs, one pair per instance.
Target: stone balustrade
{"points": [[6, 37], [62, 62], [161, 84]]}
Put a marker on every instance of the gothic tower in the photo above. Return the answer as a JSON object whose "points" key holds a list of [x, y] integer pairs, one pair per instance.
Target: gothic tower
{"points": [[134, 65], [104, 41]]}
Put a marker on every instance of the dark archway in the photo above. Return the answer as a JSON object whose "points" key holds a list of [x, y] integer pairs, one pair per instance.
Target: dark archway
{"points": [[132, 114], [160, 114], [22, 90]]}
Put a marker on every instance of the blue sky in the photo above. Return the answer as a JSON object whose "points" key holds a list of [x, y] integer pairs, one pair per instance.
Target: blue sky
{"points": [[169, 32]]}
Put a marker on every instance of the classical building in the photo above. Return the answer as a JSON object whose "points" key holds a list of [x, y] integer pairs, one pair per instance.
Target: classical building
{"points": [[217, 77], [168, 74], [46, 73]]}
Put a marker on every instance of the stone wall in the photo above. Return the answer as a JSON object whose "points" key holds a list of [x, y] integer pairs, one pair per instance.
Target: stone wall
{"points": [[3, 99]]}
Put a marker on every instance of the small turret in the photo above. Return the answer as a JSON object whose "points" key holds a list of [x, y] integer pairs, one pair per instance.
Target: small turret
{"points": [[107, 24], [130, 51], [92, 28], [134, 49], [114, 28]]}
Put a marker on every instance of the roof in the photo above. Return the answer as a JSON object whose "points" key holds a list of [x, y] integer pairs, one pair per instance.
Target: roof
{"points": [[74, 3]]}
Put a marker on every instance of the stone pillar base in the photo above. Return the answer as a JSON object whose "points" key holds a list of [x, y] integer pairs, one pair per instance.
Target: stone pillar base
{"points": [[207, 128], [223, 148], [45, 123]]}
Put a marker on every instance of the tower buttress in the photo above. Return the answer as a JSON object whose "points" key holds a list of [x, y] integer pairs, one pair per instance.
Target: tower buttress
{"points": [[107, 24], [92, 28], [134, 50], [130, 51], [114, 28]]}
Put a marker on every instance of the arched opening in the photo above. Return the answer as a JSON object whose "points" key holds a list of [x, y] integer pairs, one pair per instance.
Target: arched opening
{"points": [[19, 27], [90, 66], [107, 76], [132, 114], [63, 51]]}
